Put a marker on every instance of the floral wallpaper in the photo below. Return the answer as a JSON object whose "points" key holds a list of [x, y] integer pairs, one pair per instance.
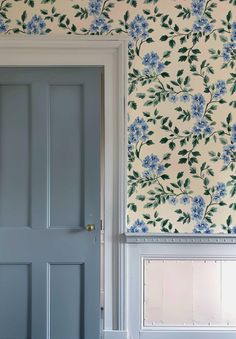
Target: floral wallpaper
{"points": [[182, 85]]}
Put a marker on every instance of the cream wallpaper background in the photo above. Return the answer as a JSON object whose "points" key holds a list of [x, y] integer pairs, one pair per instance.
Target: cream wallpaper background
{"points": [[182, 84]]}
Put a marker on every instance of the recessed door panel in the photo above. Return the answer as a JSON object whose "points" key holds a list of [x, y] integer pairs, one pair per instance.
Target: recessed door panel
{"points": [[14, 155], [66, 301], [15, 300], [66, 172]]}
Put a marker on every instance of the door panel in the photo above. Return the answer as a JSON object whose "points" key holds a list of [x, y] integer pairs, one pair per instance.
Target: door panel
{"points": [[66, 177], [14, 155], [66, 301], [15, 296], [50, 187]]}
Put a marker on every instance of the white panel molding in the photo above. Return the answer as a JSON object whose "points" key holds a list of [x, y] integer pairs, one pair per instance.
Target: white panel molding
{"points": [[137, 253], [161, 238]]}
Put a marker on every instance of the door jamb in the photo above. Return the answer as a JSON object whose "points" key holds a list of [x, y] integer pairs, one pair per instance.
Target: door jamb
{"points": [[110, 53]]}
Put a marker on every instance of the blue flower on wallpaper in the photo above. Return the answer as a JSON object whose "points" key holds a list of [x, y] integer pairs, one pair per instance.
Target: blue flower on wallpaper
{"points": [[228, 152], [36, 25], [138, 131], [202, 227], [228, 50], [150, 162], [185, 97], [197, 7], [173, 98], [152, 165], [202, 24], [173, 200], [94, 7], [202, 126], [199, 201], [130, 44], [138, 227], [233, 35], [220, 191], [197, 108], [3, 26], [138, 28], [185, 199], [233, 230], [198, 206], [99, 26], [233, 134], [220, 89], [151, 60]]}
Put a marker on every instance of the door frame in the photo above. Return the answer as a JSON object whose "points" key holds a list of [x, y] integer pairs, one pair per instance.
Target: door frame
{"points": [[111, 53]]}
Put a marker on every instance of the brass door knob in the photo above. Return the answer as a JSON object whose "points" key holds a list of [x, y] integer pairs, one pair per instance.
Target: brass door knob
{"points": [[90, 227]]}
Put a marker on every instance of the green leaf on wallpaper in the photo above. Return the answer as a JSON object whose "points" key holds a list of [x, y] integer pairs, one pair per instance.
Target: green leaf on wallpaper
{"points": [[166, 54], [149, 142], [183, 50], [131, 190], [140, 197], [179, 73], [146, 216], [62, 18], [132, 207], [165, 75], [172, 145], [180, 175], [229, 220], [30, 3], [73, 28], [132, 104], [140, 95], [24, 16], [183, 58], [182, 160], [229, 16], [44, 11], [27, 2], [233, 206], [164, 140], [126, 16], [151, 1], [172, 43], [82, 12], [48, 1], [164, 37], [132, 3], [149, 40]]}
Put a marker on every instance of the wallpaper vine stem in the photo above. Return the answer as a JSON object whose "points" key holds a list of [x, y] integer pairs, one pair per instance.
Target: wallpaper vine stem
{"points": [[182, 84]]}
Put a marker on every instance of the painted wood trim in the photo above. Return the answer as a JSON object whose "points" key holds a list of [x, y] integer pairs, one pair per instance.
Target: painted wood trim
{"points": [[221, 334], [115, 335], [176, 238]]}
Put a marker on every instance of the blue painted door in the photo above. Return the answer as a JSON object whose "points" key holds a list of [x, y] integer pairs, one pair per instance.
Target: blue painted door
{"points": [[49, 192]]}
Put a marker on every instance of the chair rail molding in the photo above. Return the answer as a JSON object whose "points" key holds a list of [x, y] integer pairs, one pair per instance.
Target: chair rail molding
{"points": [[176, 238]]}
